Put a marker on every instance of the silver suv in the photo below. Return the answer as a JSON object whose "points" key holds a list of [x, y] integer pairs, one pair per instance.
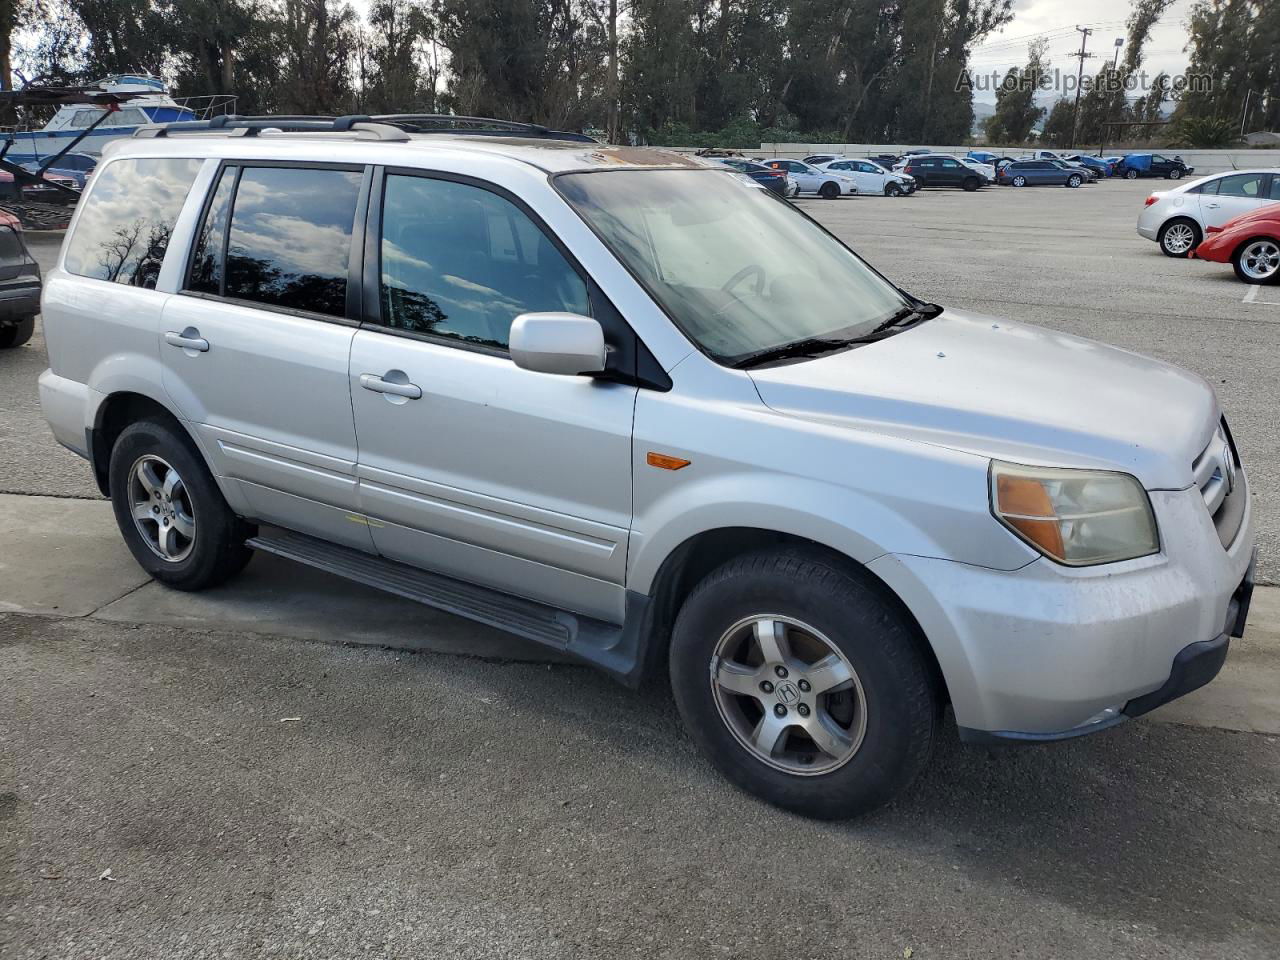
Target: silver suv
{"points": [[635, 408]]}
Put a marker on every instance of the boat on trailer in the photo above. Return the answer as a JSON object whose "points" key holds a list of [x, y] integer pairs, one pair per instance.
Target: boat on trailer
{"points": [[135, 100]]}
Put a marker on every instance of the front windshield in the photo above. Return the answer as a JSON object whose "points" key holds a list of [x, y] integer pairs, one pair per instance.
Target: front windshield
{"points": [[737, 269]]}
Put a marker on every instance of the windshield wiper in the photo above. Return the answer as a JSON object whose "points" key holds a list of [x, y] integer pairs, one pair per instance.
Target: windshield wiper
{"points": [[909, 316], [806, 348], [816, 346]]}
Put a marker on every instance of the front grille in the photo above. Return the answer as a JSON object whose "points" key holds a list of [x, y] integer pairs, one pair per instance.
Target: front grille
{"points": [[1218, 475]]}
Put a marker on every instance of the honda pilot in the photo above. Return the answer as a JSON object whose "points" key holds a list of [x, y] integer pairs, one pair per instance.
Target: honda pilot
{"points": [[632, 406]]}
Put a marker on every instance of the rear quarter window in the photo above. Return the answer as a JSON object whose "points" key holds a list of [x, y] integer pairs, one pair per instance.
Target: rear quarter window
{"points": [[123, 231]]}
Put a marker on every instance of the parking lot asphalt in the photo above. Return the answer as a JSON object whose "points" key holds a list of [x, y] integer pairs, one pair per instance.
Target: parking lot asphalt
{"points": [[195, 777]]}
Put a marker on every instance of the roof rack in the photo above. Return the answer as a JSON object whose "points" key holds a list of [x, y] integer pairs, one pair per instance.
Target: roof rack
{"points": [[252, 126], [392, 127], [476, 126]]}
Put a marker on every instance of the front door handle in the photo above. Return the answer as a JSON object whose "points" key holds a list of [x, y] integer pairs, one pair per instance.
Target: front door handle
{"points": [[398, 387], [1213, 206], [188, 339]]}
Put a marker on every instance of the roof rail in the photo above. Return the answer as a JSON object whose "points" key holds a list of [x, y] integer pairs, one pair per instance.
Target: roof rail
{"points": [[252, 126], [391, 126], [476, 126]]}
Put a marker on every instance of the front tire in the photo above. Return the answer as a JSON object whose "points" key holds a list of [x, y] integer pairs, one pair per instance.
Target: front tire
{"points": [[1179, 237], [1258, 261], [1175, 174], [803, 684], [893, 190], [1131, 174], [970, 184], [16, 334], [1074, 181], [1019, 181], [829, 191], [169, 509]]}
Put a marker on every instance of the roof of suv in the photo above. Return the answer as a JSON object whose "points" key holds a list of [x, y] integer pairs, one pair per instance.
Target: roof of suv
{"points": [[552, 156]]}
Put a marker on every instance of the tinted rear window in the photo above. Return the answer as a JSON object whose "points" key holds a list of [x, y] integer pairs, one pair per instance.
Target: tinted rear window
{"points": [[124, 227], [290, 239]]}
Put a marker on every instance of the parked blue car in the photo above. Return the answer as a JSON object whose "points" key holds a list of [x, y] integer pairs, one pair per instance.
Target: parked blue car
{"points": [[1093, 163]]}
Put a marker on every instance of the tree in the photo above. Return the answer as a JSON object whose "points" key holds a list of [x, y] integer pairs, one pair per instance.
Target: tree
{"points": [[540, 60], [317, 44], [123, 36], [1059, 126], [399, 76], [1016, 108]]}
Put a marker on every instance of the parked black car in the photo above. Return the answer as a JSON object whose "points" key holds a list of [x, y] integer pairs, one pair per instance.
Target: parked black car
{"points": [[1152, 165], [775, 180], [19, 286], [942, 172]]}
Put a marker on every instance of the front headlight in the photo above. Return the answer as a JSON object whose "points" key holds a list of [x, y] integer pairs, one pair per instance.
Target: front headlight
{"points": [[1076, 517]]}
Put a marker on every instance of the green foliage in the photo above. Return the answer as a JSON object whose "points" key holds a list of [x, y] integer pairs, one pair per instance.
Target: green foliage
{"points": [[1016, 109], [1234, 44], [1057, 128], [696, 72], [1204, 133]]}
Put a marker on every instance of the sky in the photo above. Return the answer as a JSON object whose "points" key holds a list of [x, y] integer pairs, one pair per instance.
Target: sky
{"points": [[1057, 20]]}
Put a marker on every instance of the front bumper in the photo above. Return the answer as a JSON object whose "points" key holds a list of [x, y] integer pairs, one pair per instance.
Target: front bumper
{"points": [[1048, 652]]}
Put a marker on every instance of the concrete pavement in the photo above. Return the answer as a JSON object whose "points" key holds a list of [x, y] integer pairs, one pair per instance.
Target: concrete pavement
{"points": [[183, 777]]}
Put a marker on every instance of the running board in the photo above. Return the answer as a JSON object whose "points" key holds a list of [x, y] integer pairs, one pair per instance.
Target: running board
{"points": [[611, 647]]}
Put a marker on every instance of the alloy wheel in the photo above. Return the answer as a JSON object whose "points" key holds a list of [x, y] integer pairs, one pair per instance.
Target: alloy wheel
{"points": [[788, 694], [1260, 260], [161, 507], [1179, 238]]}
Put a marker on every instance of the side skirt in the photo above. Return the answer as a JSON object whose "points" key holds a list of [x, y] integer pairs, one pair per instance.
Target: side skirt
{"points": [[620, 650]]}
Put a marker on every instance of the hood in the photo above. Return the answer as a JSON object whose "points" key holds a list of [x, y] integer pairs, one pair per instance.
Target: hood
{"points": [[1010, 391], [1269, 215]]}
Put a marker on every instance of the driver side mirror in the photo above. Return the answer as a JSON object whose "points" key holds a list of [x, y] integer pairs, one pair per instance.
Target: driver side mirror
{"points": [[562, 343]]}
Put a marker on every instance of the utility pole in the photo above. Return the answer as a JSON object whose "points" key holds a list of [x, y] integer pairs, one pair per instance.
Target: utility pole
{"points": [[1075, 120]]}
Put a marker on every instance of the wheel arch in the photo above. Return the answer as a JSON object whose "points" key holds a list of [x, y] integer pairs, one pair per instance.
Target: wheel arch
{"points": [[701, 553], [113, 414]]}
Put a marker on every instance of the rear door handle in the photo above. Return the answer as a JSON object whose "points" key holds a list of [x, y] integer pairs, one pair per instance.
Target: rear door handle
{"points": [[188, 339], [371, 381]]}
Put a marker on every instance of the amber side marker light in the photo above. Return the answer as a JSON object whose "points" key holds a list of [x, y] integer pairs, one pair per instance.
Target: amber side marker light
{"points": [[666, 461], [1025, 506]]}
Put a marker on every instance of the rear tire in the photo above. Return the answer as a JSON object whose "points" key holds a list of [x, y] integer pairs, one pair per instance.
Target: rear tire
{"points": [[1131, 174], [16, 334], [1175, 174], [1179, 237], [184, 534], [829, 191], [845, 664]]}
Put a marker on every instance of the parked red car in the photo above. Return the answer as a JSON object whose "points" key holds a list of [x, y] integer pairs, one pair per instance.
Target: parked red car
{"points": [[1250, 243]]}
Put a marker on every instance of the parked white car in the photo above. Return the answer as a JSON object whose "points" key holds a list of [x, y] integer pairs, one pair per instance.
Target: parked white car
{"points": [[815, 182], [988, 170], [871, 178], [1178, 219]]}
